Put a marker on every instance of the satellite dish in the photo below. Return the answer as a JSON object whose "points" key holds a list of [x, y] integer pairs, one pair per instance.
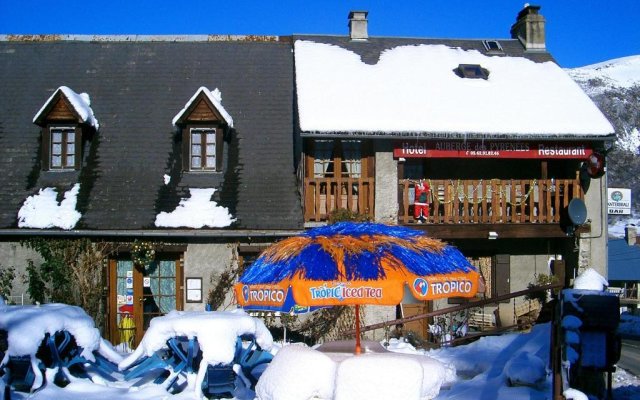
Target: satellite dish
{"points": [[577, 212]]}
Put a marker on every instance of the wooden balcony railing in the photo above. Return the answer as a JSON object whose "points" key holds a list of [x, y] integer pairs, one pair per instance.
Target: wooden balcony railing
{"points": [[323, 195], [491, 201]]}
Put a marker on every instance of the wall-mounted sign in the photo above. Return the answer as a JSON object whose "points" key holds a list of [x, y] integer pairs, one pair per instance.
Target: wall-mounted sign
{"points": [[619, 201], [489, 149], [146, 281], [194, 290]]}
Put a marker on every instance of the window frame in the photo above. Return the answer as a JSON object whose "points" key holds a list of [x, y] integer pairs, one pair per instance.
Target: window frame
{"points": [[47, 147], [188, 147], [337, 160]]}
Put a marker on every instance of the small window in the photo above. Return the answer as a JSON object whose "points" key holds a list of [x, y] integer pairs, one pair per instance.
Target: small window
{"points": [[472, 71], [63, 148], [203, 149], [492, 46]]}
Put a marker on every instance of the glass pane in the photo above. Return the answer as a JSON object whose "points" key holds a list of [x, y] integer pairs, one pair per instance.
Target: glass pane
{"points": [[155, 287], [167, 268], [71, 136], [168, 287], [121, 286], [196, 137], [211, 149], [56, 161], [71, 148], [211, 162], [211, 137], [56, 149], [167, 304], [71, 161], [56, 137], [124, 266], [196, 149], [195, 162]]}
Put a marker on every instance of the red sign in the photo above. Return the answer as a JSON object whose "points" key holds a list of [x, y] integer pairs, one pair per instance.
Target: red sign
{"points": [[489, 149]]}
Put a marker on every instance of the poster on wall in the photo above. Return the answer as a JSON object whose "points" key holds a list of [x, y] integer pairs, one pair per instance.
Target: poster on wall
{"points": [[619, 201]]}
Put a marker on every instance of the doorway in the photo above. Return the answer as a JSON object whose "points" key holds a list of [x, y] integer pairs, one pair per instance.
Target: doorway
{"points": [[137, 295]]}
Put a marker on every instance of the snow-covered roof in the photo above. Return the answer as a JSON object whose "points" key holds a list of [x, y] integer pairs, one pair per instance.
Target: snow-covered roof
{"points": [[413, 90], [81, 104], [43, 211], [197, 212], [215, 97]]}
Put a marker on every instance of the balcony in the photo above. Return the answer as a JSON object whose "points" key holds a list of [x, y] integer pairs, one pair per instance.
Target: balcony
{"points": [[324, 195], [522, 207]]}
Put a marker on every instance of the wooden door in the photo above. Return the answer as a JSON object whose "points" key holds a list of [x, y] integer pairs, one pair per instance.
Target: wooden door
{"points": [[136, 295]]}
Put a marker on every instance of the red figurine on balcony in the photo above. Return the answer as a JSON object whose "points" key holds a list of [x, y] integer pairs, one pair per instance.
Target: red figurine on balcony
{"points": [[421, 202]]}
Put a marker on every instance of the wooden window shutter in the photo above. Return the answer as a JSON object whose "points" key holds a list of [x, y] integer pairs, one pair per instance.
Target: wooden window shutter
{"points": [[219, 148], [46, 147], [501, 275], [186, 146], [78, 148]]}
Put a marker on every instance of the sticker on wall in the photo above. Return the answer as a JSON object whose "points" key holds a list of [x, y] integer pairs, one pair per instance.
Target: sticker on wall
{"points": [[129, 274], [130, 291], [146, 281], [121, 299], [129, 282], [129, 299]]}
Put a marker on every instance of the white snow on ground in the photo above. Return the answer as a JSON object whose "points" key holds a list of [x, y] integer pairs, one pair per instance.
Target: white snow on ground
{"points": [[616, 230], [81, 104], [26, 327], [42, 210], [414, 89], [510, 366], [196, 211]]}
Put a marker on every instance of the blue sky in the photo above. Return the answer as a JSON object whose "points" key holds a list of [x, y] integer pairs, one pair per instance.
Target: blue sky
{"points": [[578, 32]]}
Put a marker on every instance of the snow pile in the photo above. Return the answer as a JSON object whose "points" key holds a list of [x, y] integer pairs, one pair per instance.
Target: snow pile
{"points": [[196, 212], [620, 72], [42, 210], [27, 326], [215, 97], [216, 332], [297, 372], [590, 279], [616, 230], [526, 369], [379, 376], [81, 104], [414, 89]]}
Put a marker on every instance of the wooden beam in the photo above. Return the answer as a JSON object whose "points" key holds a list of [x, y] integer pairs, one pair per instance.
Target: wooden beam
{"points": [[504, 231]]}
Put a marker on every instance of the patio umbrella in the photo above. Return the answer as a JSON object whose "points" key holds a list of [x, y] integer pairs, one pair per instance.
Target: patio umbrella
{"points": [[350, 263]]}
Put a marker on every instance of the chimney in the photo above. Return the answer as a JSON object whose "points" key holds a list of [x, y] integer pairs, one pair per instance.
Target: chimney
{"points": [[630, 234], [358, 25], [529, 28]]}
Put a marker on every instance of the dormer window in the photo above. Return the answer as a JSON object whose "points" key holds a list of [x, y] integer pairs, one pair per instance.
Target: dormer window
{"points": [[202, 122], [65, 119], [492, 46], [472, 71]]}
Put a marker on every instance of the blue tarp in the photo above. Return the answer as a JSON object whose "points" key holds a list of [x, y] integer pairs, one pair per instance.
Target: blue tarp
{"points": [[624, 261]]}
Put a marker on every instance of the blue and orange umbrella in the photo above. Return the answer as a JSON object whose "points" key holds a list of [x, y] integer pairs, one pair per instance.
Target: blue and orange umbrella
{"points": [[350, 263]]}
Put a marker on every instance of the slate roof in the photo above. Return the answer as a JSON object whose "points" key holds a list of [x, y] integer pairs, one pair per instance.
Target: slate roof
{"points": [[624, 261], [136, 88]]}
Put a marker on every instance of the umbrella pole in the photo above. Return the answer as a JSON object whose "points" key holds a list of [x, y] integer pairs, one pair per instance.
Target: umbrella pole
{"points": [[358, 349]]}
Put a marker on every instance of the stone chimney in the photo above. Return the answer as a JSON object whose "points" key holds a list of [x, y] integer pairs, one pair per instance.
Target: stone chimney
{"points": [[630, 234], [358, 25], [529, 28]]}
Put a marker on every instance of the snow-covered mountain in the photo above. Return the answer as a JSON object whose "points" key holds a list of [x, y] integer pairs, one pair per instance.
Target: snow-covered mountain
{"points": [[615, 87]]}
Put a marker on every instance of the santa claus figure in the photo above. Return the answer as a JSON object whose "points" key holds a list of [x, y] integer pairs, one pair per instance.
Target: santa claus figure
{"points": [[421, 204]]}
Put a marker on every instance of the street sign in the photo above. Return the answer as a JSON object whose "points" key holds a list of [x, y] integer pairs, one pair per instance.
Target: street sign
{"points": [[619, 201]]}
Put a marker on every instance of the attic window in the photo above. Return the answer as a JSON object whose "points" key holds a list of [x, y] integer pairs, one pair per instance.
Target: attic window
{"points": [[472, 71], [492, 46], [67, 122], [203, 122]]}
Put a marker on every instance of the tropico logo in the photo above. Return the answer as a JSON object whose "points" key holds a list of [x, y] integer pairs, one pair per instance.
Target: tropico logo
{"points": [[421, 286], [616, 195], [263, 295]]}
